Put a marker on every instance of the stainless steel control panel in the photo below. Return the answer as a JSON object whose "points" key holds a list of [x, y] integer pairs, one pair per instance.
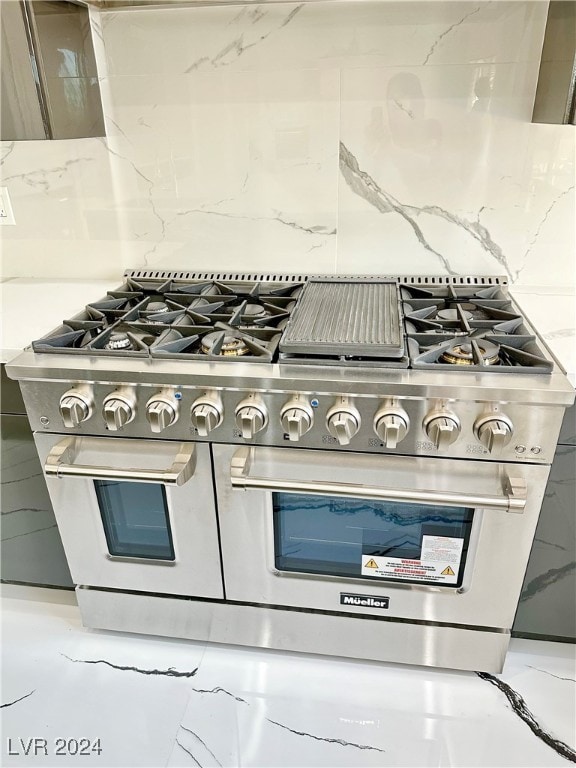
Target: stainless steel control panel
{"points": [[326, 420]]}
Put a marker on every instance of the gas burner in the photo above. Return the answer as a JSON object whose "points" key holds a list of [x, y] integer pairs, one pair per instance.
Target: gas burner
{"points": [[253, 312], [257, 312], [468, 352], [225, 344], [156, 307], [498, 352], [451, 313], [119, 341], [220, 342], [155, 312]]}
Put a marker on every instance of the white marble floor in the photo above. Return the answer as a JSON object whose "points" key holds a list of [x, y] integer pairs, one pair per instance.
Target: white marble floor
{"points": [[128, 700]]}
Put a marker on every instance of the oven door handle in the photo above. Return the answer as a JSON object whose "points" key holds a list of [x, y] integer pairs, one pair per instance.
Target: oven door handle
{"points": [[60, 463], [513, 498]]}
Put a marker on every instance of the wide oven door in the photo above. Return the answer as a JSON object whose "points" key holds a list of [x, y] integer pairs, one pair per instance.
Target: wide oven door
{"points": [[410, 537], [135, 514]]}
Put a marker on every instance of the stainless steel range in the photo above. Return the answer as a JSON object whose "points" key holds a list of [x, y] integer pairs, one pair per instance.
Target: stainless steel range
{"points": [[341, 465]]}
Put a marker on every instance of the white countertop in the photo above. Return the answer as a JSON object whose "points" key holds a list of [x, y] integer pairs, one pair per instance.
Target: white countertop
{"points": [[553, 315], [31, 308]]}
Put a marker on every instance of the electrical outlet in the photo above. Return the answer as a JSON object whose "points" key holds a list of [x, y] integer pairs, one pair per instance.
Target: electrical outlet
{"points": [[6, 212]]}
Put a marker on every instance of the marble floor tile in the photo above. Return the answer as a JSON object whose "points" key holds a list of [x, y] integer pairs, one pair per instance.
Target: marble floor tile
{"points": [[155, 702], [60, 681]]}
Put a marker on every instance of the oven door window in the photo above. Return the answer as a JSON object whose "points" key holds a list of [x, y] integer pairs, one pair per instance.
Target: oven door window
{"points": [[135, 519], [376, 540]]}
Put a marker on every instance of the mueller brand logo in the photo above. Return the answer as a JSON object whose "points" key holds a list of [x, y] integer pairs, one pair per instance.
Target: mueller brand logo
{"points": [[363, 601]]}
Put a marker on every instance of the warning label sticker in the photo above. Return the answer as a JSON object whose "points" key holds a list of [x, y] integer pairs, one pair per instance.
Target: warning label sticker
{"points": [[439, 562]]}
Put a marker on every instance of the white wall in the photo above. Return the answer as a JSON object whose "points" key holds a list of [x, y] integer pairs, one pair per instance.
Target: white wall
{"points": [[334, 136]]}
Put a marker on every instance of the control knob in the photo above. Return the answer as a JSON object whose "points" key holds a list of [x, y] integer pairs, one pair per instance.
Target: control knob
{"points": [[207, 413], [297, 418], [118, 409], [251, 417], [76, 406], [343, 421], [494, 431], [442, 427], [391, 424], [161, 411]]}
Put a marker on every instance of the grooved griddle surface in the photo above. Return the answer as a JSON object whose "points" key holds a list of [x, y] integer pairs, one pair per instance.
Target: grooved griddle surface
{"points": [[355, 318]]}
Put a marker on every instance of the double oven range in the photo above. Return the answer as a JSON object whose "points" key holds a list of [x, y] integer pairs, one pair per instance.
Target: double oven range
{"points": [[341, 465]]}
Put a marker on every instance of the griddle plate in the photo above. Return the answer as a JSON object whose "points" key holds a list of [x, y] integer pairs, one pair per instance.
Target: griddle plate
{"points": [[359, 318]]}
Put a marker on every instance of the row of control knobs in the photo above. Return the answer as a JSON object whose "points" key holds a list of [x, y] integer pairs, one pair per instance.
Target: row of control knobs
{"points": [[391, 422]]}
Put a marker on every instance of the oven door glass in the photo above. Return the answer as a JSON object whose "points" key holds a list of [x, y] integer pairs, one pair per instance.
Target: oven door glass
{"points": [[135, 519], [378, 540]]}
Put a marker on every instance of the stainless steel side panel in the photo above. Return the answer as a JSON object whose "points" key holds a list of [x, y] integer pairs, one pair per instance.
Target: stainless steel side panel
{"points": [[434, 646], [196, 570], [498, 553]]}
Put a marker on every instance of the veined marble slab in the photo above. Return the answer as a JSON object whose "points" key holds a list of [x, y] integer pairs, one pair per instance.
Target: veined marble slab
{"points": [[310, 35], [319, 137], [436, 174]]}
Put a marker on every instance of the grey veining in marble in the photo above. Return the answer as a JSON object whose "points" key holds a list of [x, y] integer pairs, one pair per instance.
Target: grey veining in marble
{"points": [[521, 709], [11, 703], [363, 185], [171, 672], [239, 45], [541, 224], [447, 32]]}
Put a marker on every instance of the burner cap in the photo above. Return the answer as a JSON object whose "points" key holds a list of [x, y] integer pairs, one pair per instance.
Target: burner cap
{"points": [[232, 346], [119, 340], [253, 312], [199, 303], [156, 306], [462, 354], [452, 313]]}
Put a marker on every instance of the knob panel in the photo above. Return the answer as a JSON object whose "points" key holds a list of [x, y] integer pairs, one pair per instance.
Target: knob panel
{"points": [[442, 427], [343, 421], [119, 409], [76, 406], [391, 424], [251, 417], [161, 411], [207, 413], [297, 418], [494, 431]]}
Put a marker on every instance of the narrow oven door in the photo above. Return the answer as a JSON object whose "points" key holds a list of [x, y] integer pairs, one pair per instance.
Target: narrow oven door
{"points": [[410, 537], [135, 514]]}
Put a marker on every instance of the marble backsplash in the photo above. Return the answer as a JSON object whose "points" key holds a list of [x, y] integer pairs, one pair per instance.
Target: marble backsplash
{"points": [[377, 137]]}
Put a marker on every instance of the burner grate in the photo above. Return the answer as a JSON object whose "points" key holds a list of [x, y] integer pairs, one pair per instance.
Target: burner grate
{"points": [[143, 309], [220, 342], [456, 326]]}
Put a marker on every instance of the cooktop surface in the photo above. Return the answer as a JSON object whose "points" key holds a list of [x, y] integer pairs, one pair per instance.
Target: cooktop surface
{"points": [[395, 322]]}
